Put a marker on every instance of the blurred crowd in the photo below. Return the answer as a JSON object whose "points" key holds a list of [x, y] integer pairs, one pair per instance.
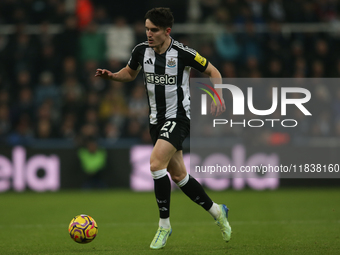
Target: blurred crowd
{"points": [[47, 84]]}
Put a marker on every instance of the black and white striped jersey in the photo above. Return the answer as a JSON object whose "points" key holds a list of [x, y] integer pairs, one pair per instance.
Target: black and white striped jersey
{"points": [[167, 78]]}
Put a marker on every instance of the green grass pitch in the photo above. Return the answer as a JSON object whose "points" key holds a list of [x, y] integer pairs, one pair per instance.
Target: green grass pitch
{"points": [[286, 221]]}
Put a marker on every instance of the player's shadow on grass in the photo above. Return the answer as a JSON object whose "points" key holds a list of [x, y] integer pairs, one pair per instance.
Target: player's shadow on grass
{"points": [[84, 250]]}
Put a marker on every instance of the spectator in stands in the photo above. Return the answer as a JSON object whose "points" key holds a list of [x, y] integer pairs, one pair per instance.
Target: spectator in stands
{"points": [[134, 129], [22, 133], [322, 54], [88, 79], [207, 50], [23, 105], [250, 68], [84, 11], [91, 117], [100, 16], [20, 15], [245, 15], [47, 89], [111, 132], [87, 130], [138, 104], [72, 86], [71, 103], [258, 8], [233, 7], [297, 56], [47, 111], [21, 53], [297, 50], [67, 42], [308, 13], [274, 43], [41, 11], [92, 44], [139, 31], [95, 85], [49, 60], [317, 69], [227, 46], [327, 10], [44, 37], [93, 162], [219, 16], [44, 129], [116, 34], [300, 68], [68, 128], [5, 97], [24, 79], [5, 121], [228, 70], [92, 101], [275, 69], [113, 108], [250, 43], [58, 13], [69, 68], [276, 10]]}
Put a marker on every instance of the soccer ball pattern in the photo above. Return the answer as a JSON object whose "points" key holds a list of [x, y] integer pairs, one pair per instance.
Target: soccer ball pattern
{"points": [[83, 229]]}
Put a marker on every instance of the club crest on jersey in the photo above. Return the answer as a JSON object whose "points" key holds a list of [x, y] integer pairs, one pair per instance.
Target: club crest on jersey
{"points": [[171, 63], [160, 79]]}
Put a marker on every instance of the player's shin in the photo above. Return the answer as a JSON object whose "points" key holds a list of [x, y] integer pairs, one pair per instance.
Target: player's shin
{"points": [[162, 188], [194, 190]]}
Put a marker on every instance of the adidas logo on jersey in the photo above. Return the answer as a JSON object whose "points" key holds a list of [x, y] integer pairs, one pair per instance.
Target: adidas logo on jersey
{"points": [[166, 134], [160, 79], [149, 61]]}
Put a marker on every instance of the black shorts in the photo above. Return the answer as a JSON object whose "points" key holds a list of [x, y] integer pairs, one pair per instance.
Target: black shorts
{"points": [[172, 130]]}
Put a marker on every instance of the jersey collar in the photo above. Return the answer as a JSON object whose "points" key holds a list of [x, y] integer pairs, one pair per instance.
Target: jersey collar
{"points": [[170, 46]]}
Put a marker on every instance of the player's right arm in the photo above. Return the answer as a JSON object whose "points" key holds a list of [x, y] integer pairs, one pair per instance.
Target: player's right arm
{"points": [[126, 74]]}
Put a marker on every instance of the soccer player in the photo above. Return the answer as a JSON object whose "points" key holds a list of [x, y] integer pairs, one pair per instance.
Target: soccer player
{"points": [[166, 64]]}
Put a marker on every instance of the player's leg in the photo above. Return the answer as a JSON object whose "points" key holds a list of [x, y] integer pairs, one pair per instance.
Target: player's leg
{"points": [[194, 190], [159, 160], [189, 185]]}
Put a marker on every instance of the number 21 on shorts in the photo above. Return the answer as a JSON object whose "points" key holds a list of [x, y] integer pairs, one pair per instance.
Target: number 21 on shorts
{"points": [[167, 128]]}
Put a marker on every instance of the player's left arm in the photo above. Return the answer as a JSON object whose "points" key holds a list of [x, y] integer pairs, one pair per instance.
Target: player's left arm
{"points": [[215, 78]]}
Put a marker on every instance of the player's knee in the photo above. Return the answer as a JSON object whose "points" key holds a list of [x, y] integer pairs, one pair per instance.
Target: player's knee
{"points": [[177, 177], [156, 165]]}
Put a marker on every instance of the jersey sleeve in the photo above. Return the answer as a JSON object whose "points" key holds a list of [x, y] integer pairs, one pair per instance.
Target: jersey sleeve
{"points": [[133, 61], [195, 60]]}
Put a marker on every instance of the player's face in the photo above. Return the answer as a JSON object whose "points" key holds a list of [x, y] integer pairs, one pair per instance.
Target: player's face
{"points": [[156, 35]]}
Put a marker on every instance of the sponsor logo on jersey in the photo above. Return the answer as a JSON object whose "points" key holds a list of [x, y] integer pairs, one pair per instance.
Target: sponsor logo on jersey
{"points": [[171, 63], [200, 59], [160, 79]]}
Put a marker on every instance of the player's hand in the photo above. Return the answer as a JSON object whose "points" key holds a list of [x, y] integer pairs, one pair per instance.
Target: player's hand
{"points": [[218, 109], [103, 73]]}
